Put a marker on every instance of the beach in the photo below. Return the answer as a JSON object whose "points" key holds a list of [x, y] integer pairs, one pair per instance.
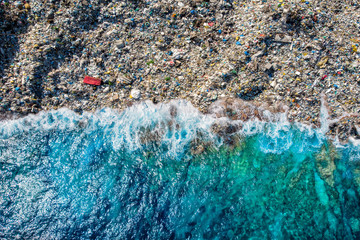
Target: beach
{"points": [[200, 51]]}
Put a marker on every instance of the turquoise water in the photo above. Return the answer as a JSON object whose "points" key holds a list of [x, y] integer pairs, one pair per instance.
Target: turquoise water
{"points": [[162, 172]]}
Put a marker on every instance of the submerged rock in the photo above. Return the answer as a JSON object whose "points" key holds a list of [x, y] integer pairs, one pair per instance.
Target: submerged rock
{"points": [[238, 109], [325, 162]]}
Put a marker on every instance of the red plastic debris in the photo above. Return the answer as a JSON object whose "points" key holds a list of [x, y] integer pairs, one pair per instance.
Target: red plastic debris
{"points": [[314, 18], [92, 81], [323, 77], [211, 24]]}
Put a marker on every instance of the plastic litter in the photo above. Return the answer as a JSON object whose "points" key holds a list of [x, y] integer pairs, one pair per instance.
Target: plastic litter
{"points": [[92, 81]]}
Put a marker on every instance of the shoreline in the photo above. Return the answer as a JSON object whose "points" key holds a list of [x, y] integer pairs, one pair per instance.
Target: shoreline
{"points": [[237, 109]]}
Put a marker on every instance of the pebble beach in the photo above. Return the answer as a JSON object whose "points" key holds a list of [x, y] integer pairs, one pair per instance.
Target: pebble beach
{"points": [[202, 51]]}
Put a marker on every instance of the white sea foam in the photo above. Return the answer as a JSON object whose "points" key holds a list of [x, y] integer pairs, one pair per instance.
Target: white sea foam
{"points": [[174, 124]]}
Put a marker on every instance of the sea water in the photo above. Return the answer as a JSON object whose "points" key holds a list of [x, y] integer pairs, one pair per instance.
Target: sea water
{"points": [[161, 172]]}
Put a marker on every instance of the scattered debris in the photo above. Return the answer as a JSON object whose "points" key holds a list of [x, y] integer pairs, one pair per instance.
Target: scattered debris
{"points": [[197, 50]]}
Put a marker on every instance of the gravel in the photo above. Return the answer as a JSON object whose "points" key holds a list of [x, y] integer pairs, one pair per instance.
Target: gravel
{"points": [[202, 51]]}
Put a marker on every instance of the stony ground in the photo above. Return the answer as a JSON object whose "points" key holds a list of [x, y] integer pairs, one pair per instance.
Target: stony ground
{"points": [[263, 51]]}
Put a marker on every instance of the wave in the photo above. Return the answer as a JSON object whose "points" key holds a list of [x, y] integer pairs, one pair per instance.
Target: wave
{"points": [[175, 125]]}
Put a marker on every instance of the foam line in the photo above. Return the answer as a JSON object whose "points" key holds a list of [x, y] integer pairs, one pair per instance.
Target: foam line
{"points": [[174, 124]]}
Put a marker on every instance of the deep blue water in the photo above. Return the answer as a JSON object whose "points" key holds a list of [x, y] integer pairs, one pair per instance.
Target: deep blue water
{"points": [[150, 173]]}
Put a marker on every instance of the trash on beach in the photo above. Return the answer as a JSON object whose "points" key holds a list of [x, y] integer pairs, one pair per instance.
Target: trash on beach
{"points": [[92, 80]]}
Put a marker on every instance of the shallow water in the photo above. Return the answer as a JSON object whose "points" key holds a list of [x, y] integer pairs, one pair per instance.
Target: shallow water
{"points": [[140, 174]]}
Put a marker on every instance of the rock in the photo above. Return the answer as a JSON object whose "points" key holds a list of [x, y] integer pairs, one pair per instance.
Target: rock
{"points": [[115, 97], [273, 84], [196, 150], [325, 163], [268, 66], [287, 39], [50, 17], [120, 44]]}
